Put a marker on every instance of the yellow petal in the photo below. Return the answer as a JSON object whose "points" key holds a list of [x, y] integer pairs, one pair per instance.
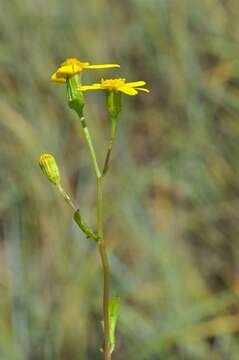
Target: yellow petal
{"points": [[104, 66], [128, 90], [143, 89], [69, 70], [90, 87], [136, 83], [74, 61], [60, 79]]}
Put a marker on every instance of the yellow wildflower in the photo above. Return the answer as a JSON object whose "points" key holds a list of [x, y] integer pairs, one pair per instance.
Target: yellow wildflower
{"points": [[130, 88], [74, 66]]}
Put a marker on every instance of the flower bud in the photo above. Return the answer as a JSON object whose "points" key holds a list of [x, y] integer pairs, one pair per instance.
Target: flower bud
{"points": [[74, 95], [49, 168], [113, 102]]}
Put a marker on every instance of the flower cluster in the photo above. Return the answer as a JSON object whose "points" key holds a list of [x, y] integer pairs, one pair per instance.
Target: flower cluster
{"points": [[72, 66]]}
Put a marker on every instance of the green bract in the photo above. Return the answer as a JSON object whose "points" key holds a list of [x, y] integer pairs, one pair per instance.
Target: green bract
{"points": [[113, 102], [75, 97]]}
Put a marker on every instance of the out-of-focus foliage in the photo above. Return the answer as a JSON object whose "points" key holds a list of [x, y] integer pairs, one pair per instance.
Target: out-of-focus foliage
{"points": [[171, 206]]}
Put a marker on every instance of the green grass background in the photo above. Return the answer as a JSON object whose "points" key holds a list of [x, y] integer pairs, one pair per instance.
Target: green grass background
{"points": [[171, 197]]}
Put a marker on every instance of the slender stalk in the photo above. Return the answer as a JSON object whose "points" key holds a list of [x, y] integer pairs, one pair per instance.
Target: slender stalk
{"points": [[101, 244], [110, 146], [66, 197], [106, 270], [90, 146], [99, 199], [105, 263]]}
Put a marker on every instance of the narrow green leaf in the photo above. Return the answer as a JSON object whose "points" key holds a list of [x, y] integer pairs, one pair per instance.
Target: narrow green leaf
{"points": [[84, 227], [113, 317]]}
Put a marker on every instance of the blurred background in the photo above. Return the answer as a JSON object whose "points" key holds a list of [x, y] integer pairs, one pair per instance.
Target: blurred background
{"points": [[171, 196]]}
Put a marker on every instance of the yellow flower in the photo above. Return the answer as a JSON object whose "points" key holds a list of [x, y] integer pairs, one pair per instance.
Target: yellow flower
{"points": [[74, 66], [130, 88]]}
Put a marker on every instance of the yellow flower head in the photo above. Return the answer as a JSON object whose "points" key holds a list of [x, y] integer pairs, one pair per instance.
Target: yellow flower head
{"points": [[131, 88], [74, 66]]}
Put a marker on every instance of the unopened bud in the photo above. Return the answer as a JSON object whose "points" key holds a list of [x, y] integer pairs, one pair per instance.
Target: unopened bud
{"points": [[49, 168]]}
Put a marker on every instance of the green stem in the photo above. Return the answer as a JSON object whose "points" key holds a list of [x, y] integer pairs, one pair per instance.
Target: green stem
{"points": [[66, 197], [106, 296], [106, 270], [90, 146], [99, 199], [101, 243], [110, 146]]}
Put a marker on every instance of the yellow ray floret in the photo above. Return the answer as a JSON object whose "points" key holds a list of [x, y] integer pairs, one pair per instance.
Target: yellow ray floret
{"points": [[130, 88], [74, 66]]}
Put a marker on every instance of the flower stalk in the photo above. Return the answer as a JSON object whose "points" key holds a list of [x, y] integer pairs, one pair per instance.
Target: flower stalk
{"points": [[110, 145], [106, 268], [101, 243]]}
